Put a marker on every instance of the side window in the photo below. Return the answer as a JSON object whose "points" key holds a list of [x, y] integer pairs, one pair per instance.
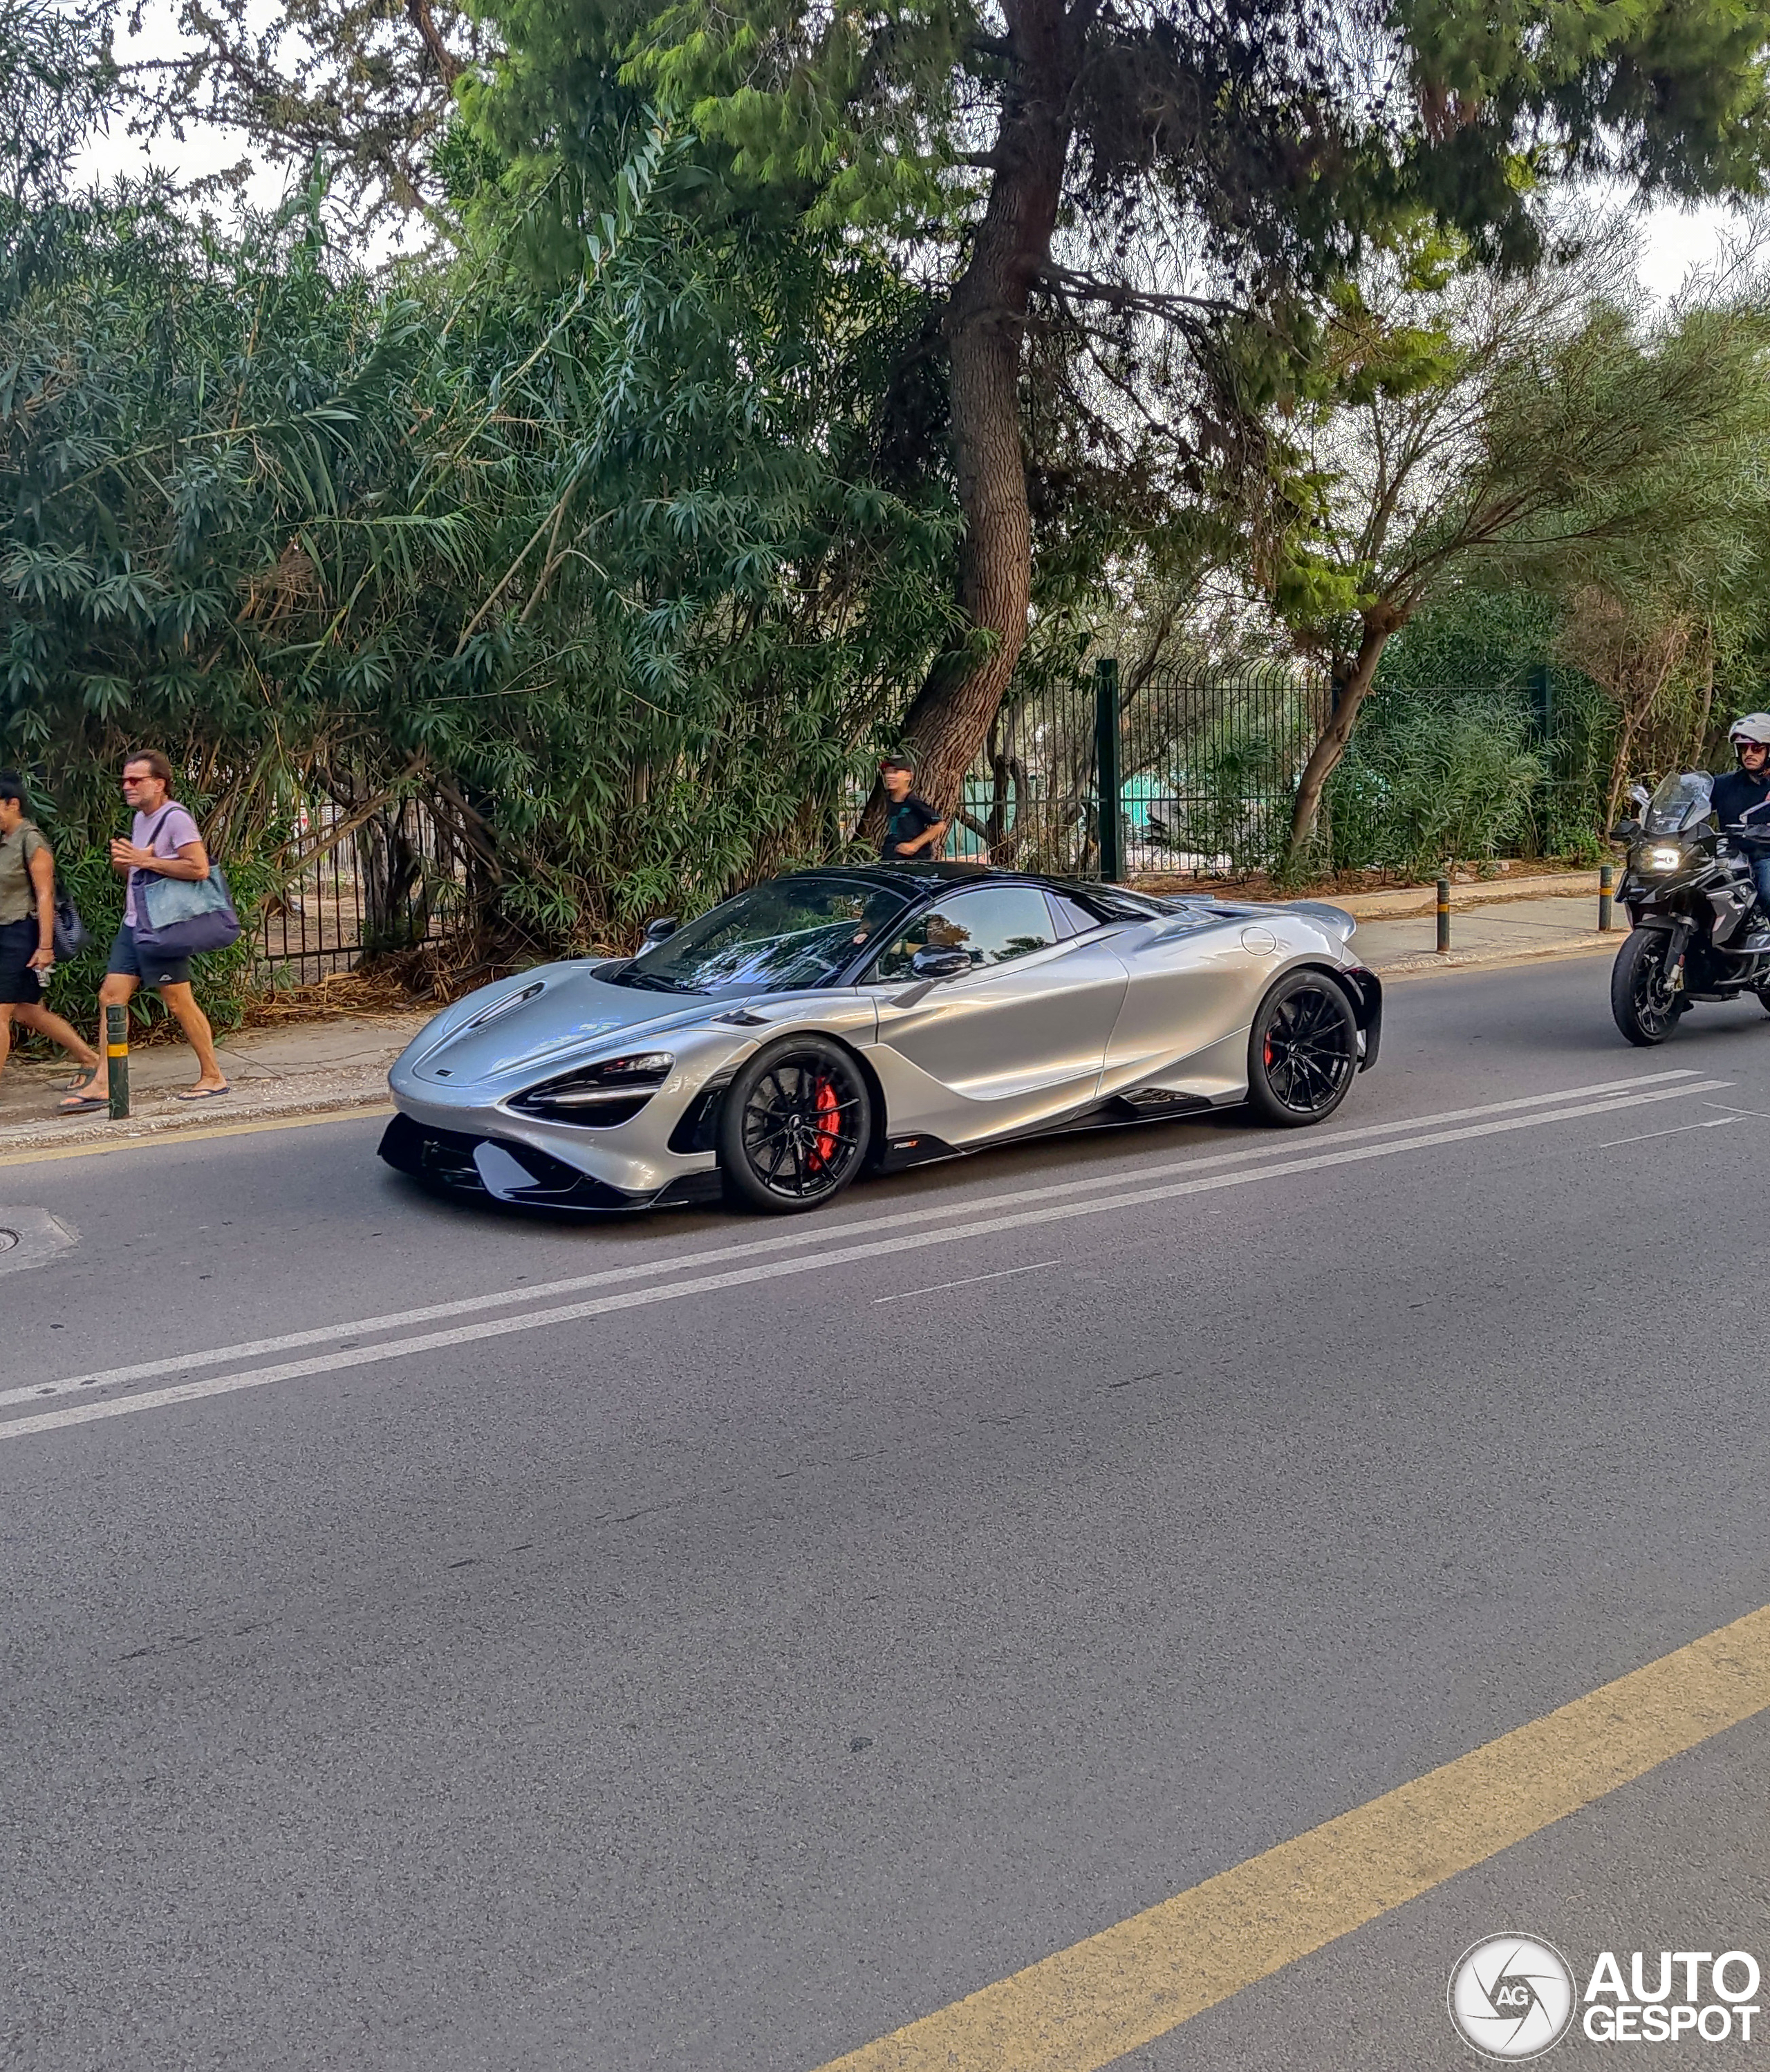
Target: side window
{"points": [[994, 926], [1071, 919]]}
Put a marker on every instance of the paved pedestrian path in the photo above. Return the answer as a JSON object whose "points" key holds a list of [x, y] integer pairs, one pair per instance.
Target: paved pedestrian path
{"points": [[316, 1067], [298, 1068]]}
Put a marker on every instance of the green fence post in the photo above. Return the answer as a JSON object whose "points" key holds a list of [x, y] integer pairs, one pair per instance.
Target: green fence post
{"points": [[1607, 889], [116, 1060], [1108, 764], [1542, 703], [1443, 916]]}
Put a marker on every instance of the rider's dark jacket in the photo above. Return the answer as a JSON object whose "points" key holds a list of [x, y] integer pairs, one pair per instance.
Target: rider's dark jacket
{"points": [[1742, 802]]}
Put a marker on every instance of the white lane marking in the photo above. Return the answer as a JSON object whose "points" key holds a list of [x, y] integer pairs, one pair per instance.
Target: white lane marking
{"points": [[970, 1280], [1617, 1143], [827, 1233], [1725, 1110], [333, 1362]]}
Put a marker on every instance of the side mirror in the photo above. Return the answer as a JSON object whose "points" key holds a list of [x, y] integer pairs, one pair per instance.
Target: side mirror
{"points": [[661, 931], [1625, 831], [1640, 794], [933, 962]]}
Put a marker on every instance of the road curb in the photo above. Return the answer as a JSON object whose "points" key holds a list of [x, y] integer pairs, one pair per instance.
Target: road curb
{"points": [[28, 1143]]}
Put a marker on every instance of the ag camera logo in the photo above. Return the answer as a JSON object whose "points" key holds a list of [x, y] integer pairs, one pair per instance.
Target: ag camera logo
{"points": [[1514, 1996], [1511, 1996]]}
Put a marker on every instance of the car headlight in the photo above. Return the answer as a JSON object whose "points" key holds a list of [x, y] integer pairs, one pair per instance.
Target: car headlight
{"points": [[1667, 857], [599, 1095]]}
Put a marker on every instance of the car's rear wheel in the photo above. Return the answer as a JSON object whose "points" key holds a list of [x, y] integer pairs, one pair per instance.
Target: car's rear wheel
{"points": [[1303, 1050], [794, 1126]]}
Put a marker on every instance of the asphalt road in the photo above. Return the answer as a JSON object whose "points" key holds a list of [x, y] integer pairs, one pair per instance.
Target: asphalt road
{"points": [[722, 1676]]}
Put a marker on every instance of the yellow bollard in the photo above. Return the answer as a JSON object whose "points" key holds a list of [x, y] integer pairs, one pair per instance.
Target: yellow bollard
{"points": [[116, 1060]]}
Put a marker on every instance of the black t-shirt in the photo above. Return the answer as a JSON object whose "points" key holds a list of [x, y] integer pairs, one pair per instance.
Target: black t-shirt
{"points": [[905, 818], [1742, 802]]}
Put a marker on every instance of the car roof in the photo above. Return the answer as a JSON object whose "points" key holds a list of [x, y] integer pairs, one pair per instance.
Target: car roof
{"points": [[911, 873], [917, 880]]}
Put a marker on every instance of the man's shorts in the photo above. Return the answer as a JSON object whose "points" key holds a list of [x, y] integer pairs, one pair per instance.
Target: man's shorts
{"points": [[128, 960], [18, 986]]}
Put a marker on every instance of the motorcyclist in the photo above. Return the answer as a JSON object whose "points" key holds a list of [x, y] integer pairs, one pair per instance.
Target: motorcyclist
{"points": [[1741, 798]]}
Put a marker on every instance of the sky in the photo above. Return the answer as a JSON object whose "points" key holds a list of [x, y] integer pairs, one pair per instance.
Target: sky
{"points": [[1673, 240]]}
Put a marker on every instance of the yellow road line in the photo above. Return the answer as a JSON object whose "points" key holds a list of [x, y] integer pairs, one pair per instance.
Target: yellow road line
{"points": [[197, 1135], [1088, 2005]]}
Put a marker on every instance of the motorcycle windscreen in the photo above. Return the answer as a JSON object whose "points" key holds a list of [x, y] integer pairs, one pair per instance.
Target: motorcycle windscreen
{"points": [[1680, 801]]}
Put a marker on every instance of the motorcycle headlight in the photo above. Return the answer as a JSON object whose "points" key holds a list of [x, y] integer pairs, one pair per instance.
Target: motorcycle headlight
{"points": [[1667, 856], [602, 1095]]}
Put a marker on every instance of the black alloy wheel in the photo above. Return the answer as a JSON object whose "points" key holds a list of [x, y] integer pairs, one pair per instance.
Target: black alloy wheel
{"points": [[794, 1126], [1303, 1050], [1644, 1003]]}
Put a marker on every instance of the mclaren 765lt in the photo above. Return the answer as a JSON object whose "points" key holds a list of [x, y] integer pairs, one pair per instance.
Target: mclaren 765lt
{"points": [[877, 1016]]}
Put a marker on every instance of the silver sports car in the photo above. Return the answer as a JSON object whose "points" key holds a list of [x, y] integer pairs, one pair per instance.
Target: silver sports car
{"points": [[877, 1016]]}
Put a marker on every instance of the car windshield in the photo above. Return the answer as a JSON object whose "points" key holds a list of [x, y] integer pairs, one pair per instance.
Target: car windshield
{"points": [[1680, 801], [790, 936]]}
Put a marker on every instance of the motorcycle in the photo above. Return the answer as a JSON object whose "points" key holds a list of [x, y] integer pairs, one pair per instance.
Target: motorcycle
{"points": [[1698, 930]]}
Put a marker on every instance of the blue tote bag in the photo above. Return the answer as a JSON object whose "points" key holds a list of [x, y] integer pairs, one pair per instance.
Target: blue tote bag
{"points": [[182, 917]]}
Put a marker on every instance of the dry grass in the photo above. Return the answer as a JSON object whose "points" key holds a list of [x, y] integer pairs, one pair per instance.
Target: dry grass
{"points": [[378, 990]]}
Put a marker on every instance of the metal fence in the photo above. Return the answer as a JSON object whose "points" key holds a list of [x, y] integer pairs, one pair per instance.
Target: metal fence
{"points": [[1203, 765], [1209, 764], [1032, 799], [390, 883]]}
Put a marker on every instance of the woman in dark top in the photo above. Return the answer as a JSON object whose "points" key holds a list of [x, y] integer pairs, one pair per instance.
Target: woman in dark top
{"points": [[27, 924]]}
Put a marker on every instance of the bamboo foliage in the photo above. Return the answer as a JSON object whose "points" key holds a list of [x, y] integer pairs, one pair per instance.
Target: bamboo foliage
{"points": [[604, 576]]}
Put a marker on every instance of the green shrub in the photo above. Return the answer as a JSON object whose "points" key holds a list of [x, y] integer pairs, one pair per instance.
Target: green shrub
{"points": [[1429, 777]]}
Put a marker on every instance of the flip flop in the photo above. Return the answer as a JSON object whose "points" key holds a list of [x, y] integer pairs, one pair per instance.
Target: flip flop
{"points": [[80, 1081], [204, 1093], [82, 1105]]}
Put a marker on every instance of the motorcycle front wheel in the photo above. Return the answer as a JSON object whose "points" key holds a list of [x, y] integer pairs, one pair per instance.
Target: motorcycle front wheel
{"points": [[1644, 1005]]}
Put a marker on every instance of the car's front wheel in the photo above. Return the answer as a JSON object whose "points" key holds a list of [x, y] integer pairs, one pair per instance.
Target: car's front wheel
{"points": [[794, 1126], [1303, 1050]]}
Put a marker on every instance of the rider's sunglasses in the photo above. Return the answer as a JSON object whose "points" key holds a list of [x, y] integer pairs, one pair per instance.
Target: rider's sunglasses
{"points": [[1753, 747]]}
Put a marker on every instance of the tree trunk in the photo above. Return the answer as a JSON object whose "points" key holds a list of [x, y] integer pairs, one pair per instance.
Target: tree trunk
{"points": [[1350, 692], [984, 328], [391, 875]]}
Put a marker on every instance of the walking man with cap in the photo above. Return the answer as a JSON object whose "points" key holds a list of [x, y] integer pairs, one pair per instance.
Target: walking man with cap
{"points": [[164, 840], [913, 830]]}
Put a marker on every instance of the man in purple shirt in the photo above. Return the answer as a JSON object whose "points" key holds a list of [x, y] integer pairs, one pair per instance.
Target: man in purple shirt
{"points": [[166, 841]]}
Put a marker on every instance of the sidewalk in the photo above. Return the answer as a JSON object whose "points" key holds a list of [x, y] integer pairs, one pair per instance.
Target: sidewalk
{"points": [[302, 1068], [1499, 932], [322, 1067]]}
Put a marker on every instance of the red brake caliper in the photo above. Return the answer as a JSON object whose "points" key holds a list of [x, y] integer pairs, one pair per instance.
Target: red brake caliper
{"points": [[828, 1108]]}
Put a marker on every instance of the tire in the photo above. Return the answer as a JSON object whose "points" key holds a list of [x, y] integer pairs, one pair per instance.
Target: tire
{"points": [[1644, 1011], [1303, 1051], [794, 1126]]}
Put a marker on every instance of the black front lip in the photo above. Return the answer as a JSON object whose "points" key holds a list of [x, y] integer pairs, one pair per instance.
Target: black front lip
{"points": [[444, 1158]]}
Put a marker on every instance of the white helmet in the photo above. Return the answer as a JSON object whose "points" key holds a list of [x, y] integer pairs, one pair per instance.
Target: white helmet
{"points": [[1754, 727]]}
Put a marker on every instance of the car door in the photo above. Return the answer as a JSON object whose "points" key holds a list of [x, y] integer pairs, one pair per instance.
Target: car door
{"points": [[1019, 1039]]}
